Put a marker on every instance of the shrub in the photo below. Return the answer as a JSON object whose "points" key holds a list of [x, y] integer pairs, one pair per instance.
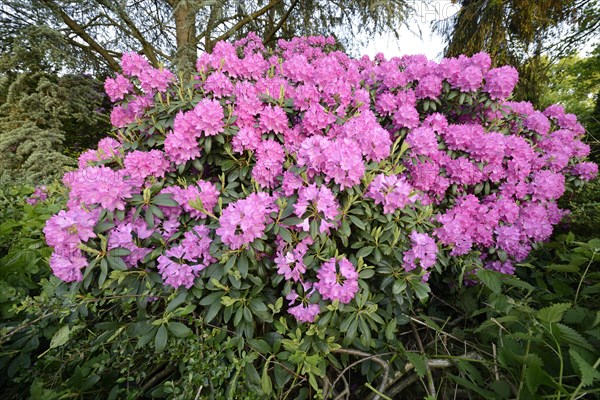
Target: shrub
{"points": [[299, 201]]}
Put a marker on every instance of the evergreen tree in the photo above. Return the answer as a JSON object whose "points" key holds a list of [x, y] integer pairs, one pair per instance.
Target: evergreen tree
{"points": [[45, 118]]}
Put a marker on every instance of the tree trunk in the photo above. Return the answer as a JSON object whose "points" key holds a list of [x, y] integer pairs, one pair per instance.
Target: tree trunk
{"points": [[185, 31]]}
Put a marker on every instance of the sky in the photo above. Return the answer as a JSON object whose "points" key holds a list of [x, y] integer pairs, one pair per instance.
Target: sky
{"points": [[428, 42]]}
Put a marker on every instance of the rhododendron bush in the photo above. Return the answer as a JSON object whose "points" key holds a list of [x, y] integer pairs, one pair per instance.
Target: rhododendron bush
{"points": [[301, 192]]}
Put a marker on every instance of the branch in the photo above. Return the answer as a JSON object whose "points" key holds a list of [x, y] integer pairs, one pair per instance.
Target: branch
{"points": [[366, 356], [280, 23], [112, 63], [246, 20], [149, 50], [430, 383]]}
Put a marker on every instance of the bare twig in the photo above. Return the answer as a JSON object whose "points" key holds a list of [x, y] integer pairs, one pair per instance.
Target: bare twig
{"points": [[367, 356], [430, 383]]}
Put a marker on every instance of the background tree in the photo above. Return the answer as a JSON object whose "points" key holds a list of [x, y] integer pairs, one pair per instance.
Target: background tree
{"points": [[574, 82], [94, 33], [530, 35], [44, 119]]}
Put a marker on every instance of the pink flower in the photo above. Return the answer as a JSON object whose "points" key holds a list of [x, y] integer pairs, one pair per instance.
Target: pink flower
{"points": [[429, 86], [338, 280], [393, 192], [424, 250], [121, 116], [174, 271], [269, 163], [500, 82], [156, 79], [316, 204], [290, 262], [273, 119], [116, 88], [196, 244], [469, 79], [247, 138], [134, 64], [68, 266], [423, 141], [202, 195], [585, 170], [40, 194], [219, 84], [181, 148], [67, 229], [209, 117], [142, 164], [98, 185], [245, 220], [547, 185], [305, 313]]}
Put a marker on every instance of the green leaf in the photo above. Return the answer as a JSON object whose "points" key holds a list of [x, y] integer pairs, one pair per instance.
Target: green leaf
{"points": [[491, 279], [265, 381], [243, 265], [116, 263], [165, 200], [178, 329], [390, 330], [119, 252], [178, 300], [587, 372], [213, 310], [160, 340], [292, 221], [536, 376], [366, 273], [563, 268], [553, 313], [421, 289], [365, 251], [571, 336], [485, 394], [258, 306], [356, 221], [259, 345], [103, 227], [285, 234], [419, 362], [60, 337]]}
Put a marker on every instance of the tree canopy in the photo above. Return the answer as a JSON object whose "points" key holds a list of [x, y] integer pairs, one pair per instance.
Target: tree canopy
{"points": [[77, 34], [520, 32]]}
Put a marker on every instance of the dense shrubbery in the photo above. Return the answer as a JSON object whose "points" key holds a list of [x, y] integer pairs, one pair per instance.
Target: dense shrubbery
{"points": [[305, 207]]}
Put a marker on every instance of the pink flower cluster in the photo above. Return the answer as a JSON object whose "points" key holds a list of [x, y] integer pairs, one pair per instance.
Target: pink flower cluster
{"points": [[316, 204], [338, 280], [181, 264], [393, 192], [65, 231], [39, 194], [245, 220], [196, 200], [424, 250]]}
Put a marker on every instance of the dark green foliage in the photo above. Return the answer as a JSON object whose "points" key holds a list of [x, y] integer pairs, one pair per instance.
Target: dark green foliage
{"points": [[23, 251], [536, 334], [584, 219], [45, 118]]}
